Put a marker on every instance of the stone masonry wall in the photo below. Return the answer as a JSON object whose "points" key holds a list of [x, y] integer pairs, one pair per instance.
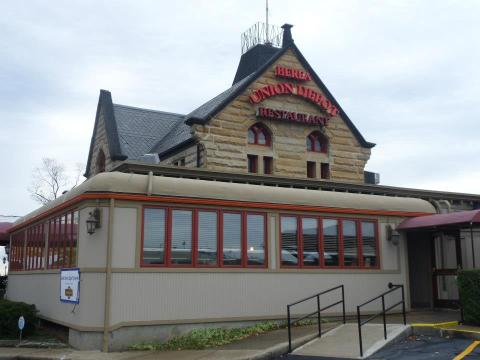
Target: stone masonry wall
{"points": [[226, 145], [100, 143]]}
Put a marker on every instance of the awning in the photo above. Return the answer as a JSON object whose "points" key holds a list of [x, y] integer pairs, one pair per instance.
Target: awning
{"points": [[4, 236], [461, 218]]}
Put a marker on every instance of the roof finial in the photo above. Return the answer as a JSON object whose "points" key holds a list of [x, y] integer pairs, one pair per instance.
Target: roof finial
{"points": [[287, 35]]}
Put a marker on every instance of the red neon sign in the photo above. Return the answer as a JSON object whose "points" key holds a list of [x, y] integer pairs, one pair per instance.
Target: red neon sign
{"points": [[289, 73], [291, 116], [291, 89]]}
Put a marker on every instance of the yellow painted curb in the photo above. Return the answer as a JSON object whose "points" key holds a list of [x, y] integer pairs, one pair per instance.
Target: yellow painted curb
{"points": [[467, 351], [436, 325]]}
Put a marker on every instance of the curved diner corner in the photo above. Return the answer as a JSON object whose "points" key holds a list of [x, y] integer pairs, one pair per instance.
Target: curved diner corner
{"points": [[172, 253]]}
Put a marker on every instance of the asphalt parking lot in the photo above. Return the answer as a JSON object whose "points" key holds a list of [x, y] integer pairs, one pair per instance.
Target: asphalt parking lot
{"points": [[415, 348]]}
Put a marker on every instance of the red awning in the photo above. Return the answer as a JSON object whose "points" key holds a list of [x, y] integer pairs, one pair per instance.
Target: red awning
{"points": [[461, 218], [4, 236]]}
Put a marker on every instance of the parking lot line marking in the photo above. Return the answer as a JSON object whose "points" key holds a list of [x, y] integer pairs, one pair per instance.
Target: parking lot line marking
{"points": [[467, 351]]}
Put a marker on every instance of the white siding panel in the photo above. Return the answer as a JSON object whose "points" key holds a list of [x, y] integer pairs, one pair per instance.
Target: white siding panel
{"points": [[124, 237]]}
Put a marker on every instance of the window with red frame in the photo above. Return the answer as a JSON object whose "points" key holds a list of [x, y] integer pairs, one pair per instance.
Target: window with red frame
{"points": [[267, 165], [35, 249], [324, 242], [311, 169], [317, 142], [259, 135], [325, 170], [62, 241], [203, 238], [252, 163], [17, 251]]}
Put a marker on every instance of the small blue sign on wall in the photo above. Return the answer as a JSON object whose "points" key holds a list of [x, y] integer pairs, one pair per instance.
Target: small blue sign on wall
{"points": [[70, 285]]}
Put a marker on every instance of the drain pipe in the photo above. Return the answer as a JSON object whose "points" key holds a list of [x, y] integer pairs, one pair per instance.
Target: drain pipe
{"points": [[108, 278]]}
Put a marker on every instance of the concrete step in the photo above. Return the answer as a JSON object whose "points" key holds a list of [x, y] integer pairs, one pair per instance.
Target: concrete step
{"points": [[342, 342]]}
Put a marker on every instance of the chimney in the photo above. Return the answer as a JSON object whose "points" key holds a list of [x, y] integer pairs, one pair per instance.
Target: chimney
{"points": [[287, 35]]}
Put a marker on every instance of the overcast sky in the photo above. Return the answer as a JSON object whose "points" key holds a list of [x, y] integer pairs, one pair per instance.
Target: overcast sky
{"points": [[406, 72]]}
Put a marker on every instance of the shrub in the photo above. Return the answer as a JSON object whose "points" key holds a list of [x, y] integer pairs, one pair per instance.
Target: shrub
{"points": [[10, 311], [469, 289]]}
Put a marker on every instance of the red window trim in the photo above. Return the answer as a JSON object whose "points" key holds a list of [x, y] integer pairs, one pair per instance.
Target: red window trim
{"points": [[341, 265], [313, 136], [254, 159], [220, 212], [256, 129]]}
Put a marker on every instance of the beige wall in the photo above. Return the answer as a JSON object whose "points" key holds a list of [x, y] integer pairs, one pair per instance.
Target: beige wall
{"points": [[156, 296], [43, 290], [92, 249], [225, 135]]}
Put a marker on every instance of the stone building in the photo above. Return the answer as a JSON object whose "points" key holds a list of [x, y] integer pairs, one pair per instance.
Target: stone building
{"points": [[277, 118]]}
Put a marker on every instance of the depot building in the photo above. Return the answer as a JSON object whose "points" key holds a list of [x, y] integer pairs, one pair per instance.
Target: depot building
{"points": [[222, 216]]}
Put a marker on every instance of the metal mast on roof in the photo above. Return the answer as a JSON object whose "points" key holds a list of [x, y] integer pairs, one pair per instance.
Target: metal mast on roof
{"points": [[266, 19]]}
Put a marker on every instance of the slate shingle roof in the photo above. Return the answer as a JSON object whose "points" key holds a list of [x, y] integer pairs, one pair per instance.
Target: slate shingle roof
{"points": [[133, 132], [139, 130]]}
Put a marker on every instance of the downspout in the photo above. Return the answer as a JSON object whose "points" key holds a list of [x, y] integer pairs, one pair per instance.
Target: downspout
{"points": [[108, 278]]}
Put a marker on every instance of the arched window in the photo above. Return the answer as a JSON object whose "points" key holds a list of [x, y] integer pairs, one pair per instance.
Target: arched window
{"points": [[100, 162], [317, 142], [259, 135]]}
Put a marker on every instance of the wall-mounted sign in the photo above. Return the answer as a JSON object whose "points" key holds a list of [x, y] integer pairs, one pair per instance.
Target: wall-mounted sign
{"points": [[70, 285], [277, 114], [289, 73], [294, 89]]}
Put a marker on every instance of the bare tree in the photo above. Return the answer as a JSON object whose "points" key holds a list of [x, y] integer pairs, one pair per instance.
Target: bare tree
{"points": [[50, 180]]}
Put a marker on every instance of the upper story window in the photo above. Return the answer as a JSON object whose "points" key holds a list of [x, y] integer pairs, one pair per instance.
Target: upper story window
{"points": [[317, 142], [259, 135]]}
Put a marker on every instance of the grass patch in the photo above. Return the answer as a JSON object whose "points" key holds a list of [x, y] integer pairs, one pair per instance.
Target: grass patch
{"points": [[200, 339]]}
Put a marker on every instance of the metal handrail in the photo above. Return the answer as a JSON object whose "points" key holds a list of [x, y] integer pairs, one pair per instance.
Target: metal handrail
{"points": [[316, 312], [392, 287]]}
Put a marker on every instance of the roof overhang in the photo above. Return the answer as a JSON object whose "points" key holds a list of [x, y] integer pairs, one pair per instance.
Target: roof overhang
{"points": [[461, 219]]}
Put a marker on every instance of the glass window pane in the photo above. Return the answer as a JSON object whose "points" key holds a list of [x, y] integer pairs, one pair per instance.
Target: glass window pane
{"points": [[330, 242], [350, 243], [310, 242], [289, 241], [75, 238], [154, 236], [207, 238], [318, 146], [309, 144], [262, 139], [232, 239], [369, 244], [181, 252], [251, 136], [255, 239]]}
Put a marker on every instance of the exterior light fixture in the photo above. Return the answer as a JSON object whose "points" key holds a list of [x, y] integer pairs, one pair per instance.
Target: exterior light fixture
{"points": [[93, 221], [393, 235]]}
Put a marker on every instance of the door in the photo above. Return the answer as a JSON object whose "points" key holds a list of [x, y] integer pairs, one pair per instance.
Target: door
{"points": [[447, 260]]}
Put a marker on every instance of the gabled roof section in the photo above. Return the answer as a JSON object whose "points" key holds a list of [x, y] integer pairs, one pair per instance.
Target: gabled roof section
{"points": [[208, 110], [177, 136], [139, 130], [105, 108], [132, 132]]}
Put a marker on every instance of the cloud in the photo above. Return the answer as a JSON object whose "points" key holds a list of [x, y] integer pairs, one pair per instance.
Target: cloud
{"points": [[405, 72]]}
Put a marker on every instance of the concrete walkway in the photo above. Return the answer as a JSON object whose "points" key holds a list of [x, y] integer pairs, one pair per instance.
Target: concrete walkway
{"points": [[343, 342], [264, 346]]}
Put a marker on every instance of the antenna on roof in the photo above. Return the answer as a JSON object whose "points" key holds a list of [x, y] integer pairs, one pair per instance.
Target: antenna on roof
{"points": [[266, 19]]}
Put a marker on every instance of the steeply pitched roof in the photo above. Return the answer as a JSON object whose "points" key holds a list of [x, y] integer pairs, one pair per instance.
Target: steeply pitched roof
{"points": [[205, 112], [253, 59], [179, 134], [140, 130]]}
